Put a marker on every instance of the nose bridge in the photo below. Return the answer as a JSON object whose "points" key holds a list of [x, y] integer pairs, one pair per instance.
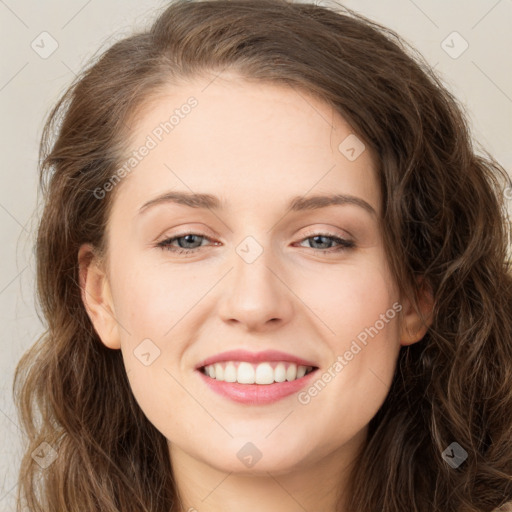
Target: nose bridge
{"points": [[255, 295]]}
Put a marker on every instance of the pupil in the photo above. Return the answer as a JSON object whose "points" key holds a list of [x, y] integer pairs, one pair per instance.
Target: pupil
{"points": [[188, 238], [318, 239]]}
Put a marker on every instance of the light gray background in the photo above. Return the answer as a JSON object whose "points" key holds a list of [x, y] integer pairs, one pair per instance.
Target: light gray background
{"points": [[481, 78]]}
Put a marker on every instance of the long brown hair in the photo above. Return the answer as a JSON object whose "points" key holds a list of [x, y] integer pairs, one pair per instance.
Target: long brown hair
{"points": [[444, 220]]}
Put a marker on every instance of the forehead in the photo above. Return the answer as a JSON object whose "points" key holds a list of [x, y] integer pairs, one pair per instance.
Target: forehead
{"points": [[247, 142]]}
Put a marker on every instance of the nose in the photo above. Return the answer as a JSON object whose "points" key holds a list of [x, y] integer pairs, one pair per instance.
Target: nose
{"points": [[255, 294]]}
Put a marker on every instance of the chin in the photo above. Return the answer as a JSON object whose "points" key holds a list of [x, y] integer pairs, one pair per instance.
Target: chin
{"points": [[256, 457]]}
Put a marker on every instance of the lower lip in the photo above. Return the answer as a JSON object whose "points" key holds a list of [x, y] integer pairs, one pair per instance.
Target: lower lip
{"points": [[255, 394]]}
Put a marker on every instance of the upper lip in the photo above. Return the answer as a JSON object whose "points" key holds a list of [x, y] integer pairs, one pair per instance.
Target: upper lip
{"points": [[254, 357]]}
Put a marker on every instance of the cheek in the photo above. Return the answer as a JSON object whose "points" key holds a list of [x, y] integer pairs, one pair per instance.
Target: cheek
{"points": [[348, 298], [150, 300], [341, 299], [361, 307], [152, 304], [368, 325]]}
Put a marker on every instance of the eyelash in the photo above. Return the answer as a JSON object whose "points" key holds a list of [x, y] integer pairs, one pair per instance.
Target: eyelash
{"points": [[343, 244]]}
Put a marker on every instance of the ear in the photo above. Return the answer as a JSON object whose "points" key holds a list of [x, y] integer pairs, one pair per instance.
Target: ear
{"points": [[414, 327], [97, 298]]}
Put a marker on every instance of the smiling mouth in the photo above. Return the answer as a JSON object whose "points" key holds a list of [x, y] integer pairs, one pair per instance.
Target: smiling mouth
{"points": [[243, 372]]}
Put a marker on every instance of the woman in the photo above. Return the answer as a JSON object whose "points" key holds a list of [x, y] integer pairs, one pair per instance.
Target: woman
{"points": [[257, 370]]}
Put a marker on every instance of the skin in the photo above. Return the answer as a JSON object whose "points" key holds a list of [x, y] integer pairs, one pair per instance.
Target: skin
{"points": [[255, 146]]}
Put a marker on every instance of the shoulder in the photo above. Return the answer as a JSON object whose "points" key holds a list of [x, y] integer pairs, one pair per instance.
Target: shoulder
{"points": [[504, 508]]}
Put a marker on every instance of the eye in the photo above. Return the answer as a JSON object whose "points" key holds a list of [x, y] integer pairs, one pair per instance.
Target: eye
{"points": [[188, 242], [188, 239], [323, 238]]}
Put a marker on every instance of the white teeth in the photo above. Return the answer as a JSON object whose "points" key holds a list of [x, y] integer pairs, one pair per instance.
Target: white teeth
{"points": [[262, 373], [291, 372], [245, 374], [230, 373], [280, 372], [219, 371]]}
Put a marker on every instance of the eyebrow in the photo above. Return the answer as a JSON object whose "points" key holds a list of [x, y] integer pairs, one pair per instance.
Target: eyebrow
{"points": [[296, 204]]}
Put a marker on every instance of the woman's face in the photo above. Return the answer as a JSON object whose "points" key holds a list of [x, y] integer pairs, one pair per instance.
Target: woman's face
{"points": [[268, 269]]}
